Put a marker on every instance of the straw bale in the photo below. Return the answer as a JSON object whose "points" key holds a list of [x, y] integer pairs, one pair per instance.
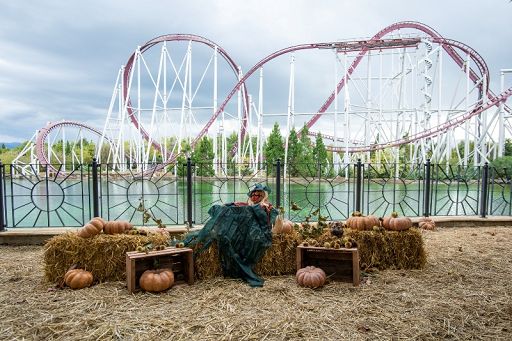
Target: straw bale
{"points": [[279, 259], [389, 249], [104, 255]]}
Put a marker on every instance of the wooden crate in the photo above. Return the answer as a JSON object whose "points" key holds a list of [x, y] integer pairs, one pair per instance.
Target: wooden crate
{"points": [[341, 264], [180, 260]]}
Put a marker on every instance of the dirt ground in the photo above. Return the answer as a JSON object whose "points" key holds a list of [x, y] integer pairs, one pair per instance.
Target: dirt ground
{"points": [[464, 292]]}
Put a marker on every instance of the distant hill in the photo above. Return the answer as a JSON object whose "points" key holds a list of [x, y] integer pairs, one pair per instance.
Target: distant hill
{"points": [[10, 145]]}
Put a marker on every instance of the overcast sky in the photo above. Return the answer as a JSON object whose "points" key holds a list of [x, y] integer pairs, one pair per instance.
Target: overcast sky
{"points": [[59, 59]]}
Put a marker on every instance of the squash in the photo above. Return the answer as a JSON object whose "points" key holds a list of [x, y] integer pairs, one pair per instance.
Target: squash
{"points": [[78, 278], [117, 226], [360, 223], [156, 280], [98, 222], [89, 230], [395, 223], [310, 277], [427, 224], [282, 225]]}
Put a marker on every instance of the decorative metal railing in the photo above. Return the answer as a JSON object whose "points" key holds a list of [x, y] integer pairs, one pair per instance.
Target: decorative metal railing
{"points": [[183, 193]]}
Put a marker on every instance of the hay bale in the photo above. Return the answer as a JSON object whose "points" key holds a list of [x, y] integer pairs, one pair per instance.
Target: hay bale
{"points": [[103, 255], [206, 263], [279, 259], [389, 249]]}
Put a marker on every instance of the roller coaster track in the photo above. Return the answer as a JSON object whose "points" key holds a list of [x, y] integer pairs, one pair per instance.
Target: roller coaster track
{"points": [[448, 45], [377, 41], [176, 37], [43, 133], [434, 131]]}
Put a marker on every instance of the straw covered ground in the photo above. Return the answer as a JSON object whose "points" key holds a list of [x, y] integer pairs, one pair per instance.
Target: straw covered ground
{"points": [[463, 292]]}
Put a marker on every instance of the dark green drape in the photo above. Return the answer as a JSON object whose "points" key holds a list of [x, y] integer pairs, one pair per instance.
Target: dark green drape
{"points": [[242, 233]]}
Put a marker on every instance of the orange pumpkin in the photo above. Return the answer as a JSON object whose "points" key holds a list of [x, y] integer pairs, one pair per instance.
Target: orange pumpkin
{"points": [[78, 278], [360, 223], [395, 223], [427, 224], [117, 226], [156, 280], [89, 230], [310, 277], [98, 222]]}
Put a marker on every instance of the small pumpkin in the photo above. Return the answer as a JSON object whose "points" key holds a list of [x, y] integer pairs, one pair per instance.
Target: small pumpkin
{"points": [[360, 223], [156, 280], [310, 277], [98, 222], [117, 226], [395, 223], [89, 230], [78, 278], [427, 224], [282, 225]]}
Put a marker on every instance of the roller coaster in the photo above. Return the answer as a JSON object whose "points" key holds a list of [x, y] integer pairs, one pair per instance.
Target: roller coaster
{"points": [[406, 85]]}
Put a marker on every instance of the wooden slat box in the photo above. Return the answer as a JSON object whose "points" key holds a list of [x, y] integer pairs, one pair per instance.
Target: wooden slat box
{"points": [[341, 264], [180, 260]]}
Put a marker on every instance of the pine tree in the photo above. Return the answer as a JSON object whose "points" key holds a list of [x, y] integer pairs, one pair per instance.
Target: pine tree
{"points": [[320, 153], [203, 157], [306, 167], [294, 153], [274, 147]]}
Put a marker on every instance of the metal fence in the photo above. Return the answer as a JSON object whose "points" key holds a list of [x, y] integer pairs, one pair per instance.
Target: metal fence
{"points": [[182, 194]]}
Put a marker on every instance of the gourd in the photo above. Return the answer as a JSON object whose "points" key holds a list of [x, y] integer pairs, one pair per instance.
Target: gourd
{"points": [[282, 225], [89, 230], [360, 223], [395, 223], [98, 222], [78, 278], [118, 226], [310, 277], [427, 224], [156, 280]]}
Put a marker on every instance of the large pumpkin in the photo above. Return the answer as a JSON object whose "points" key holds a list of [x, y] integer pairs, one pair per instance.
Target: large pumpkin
{"points": [[310, 277], [90, 230], [78, 278], [117, 226], [360, 223], [156, 280], [395, 223]]}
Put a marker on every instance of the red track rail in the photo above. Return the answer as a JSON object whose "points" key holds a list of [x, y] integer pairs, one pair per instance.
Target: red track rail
{"points": [[448, 45], [44, 132], [434, 131]]}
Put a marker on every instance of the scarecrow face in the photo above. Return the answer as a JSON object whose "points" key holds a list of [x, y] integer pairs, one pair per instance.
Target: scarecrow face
{"points": [[257, 196]]}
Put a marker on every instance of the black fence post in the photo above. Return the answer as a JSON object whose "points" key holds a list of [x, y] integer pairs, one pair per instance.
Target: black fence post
{"points": [[2, 217], [426, 190], [95, 189], [189, 192], [359, 183], [484, 190], [278, 183]]}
